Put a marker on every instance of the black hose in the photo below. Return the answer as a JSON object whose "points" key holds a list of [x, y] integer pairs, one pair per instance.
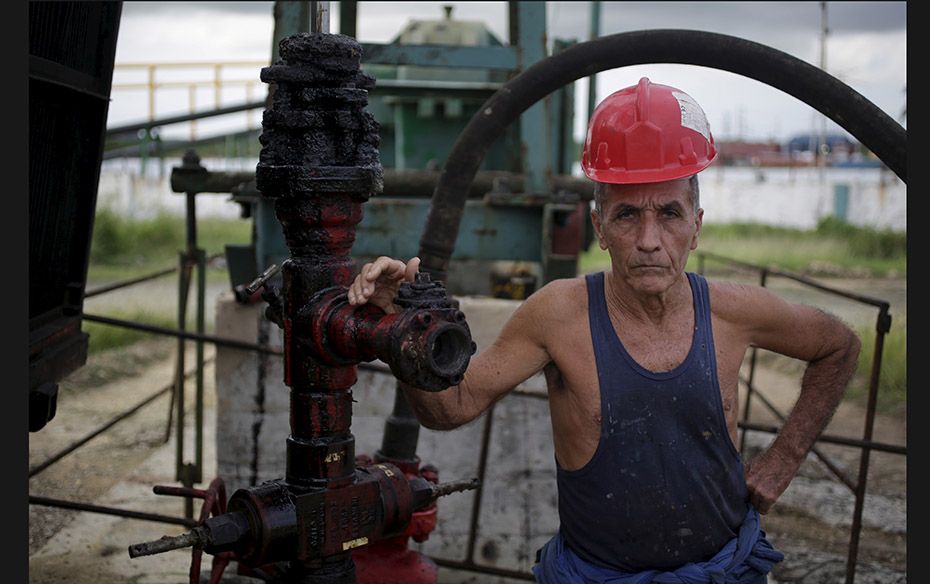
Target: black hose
{"points": [[870, 125]]}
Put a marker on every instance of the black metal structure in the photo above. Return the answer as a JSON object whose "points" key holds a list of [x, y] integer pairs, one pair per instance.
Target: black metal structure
{"points": [[72, 46]]}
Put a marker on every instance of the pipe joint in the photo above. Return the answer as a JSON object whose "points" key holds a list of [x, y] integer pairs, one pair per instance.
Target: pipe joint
{"points": [[427, 344]]}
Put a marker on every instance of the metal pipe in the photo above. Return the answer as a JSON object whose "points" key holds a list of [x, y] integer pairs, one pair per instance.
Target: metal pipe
{"points": [[870, 125], [177, 398], [219, 341], [401, 432], [482, 470], [882, 326], [771, 429], [319, 16], [130, 282], [837, 472], [877, 302], [153, 123], [48, 502], [830, 439], [319, 205], [752, 373], [75, 445], [160, 145], [199, 356], [404, 183], [348, 17], [199, 367], [593, 33]]}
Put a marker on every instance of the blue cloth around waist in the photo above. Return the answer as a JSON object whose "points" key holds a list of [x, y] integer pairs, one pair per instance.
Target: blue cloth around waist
{"points": [[745, 559]]}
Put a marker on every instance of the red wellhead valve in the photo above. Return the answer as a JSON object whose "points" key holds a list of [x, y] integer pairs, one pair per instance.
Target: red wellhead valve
{"points": [[427, 344]]}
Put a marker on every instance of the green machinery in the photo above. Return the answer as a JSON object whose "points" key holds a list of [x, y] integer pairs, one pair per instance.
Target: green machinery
{"points": [[526, 217]]}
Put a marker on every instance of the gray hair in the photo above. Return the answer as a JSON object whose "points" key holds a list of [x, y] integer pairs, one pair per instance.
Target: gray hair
{"points": [[693, 188]]}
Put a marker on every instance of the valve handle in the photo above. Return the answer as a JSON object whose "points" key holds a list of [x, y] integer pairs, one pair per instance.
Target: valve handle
{"points": [[258, 282], [443, 489], [196, 537]]}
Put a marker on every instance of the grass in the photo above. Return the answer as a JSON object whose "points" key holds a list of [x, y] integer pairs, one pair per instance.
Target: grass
{"points": [[124, 248], [151, 243], [834, 248], [892, 381], [104, 337]]}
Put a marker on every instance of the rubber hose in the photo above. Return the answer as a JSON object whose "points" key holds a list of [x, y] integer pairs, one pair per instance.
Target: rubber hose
{"points": [[860, 117]]}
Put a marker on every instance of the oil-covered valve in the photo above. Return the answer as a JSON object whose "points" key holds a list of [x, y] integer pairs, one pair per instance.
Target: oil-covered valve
{"points": [[427, 344], [272, 522]]}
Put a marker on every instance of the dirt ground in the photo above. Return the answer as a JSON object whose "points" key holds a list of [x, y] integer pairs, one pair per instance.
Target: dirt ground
{"points": [[811, 523]]}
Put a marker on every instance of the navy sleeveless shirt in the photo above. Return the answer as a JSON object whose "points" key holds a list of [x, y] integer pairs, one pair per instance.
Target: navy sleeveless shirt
{"points": [[665, 486]]}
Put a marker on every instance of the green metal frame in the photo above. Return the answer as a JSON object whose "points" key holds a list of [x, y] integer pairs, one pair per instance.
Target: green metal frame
{"points": [[540, 145]]}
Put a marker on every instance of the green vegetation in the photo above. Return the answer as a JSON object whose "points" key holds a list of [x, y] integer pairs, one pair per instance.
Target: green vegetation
{"points": [[834, 248], [103, 337], [892, 382], [123, 248]]}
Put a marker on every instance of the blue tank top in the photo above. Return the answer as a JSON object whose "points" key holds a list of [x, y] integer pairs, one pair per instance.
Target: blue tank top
{"points": [[665, 486]]}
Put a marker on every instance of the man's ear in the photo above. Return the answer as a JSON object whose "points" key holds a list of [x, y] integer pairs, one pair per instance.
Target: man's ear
{"points": [[596, 222], [699, 222]]}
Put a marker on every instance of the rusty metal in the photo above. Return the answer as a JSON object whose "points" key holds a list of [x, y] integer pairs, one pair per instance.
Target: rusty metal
{"points": [[119, 418], [831, 466], [76, 506], [218, 341], [129, 282], [133, 128], [319, 162], [389, 560], [318, 187], [274, 522], [482, 469], [876, 302], [204, 534], [830, 439], [763, 275], [262, 278], [150, 328], [882, 326], [196, 538], [428, 345]]}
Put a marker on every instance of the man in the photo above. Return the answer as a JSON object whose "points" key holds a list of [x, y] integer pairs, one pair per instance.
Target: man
{"points": [[642, 364]]}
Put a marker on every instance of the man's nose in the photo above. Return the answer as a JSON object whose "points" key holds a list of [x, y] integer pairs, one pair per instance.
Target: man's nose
{"points": [[648, 240]]}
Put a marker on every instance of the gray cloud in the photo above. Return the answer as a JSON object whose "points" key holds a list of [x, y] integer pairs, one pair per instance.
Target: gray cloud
{"points": [[866, 48]]}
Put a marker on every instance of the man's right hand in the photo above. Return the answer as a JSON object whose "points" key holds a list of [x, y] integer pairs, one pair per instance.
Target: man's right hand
{"points": [[378, 282]]}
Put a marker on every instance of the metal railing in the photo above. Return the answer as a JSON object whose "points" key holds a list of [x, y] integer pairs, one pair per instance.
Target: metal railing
{"points": [[857, 486], [155, 82], [866, 444]]}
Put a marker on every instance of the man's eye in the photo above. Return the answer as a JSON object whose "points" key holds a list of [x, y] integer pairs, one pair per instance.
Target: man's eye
{"points": [[670, 213]]}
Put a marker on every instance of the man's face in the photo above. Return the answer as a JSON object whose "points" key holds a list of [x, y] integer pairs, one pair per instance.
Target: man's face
{"points": [[649, 230]]}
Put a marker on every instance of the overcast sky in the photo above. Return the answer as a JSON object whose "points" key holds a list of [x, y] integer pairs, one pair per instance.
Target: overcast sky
{"points": [[866, 49]]}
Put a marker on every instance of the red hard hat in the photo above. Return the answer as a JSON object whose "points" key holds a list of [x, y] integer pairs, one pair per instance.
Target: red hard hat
{"points": [[647, 133]]}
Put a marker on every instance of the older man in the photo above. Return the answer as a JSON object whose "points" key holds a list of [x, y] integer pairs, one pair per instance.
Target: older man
{"points": [[642, 364]]}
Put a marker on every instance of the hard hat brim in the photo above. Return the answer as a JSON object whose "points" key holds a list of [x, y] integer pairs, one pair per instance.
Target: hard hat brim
{"points": [[622, 176]]}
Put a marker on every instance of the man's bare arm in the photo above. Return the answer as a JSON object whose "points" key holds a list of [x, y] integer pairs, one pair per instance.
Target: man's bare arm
{"points": [[830, 349], [515, 355]]}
